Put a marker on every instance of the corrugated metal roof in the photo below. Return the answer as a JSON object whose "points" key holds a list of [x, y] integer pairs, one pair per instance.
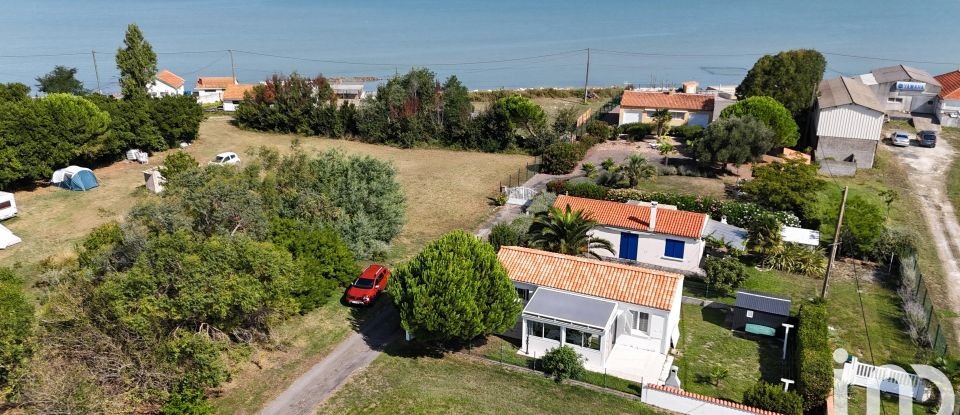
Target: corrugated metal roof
{"points": [[637, 217], [559, 305], [845, 91], [903, 73], [592, 277], [767, 303]]}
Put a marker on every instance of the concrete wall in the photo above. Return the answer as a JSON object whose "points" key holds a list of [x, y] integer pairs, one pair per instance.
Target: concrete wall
{"points": [[230, 106], [846, 149], [913, 101], [838, 168], [947, 108], [651, 246], [691, 405], [850, 121], [208, 96]]}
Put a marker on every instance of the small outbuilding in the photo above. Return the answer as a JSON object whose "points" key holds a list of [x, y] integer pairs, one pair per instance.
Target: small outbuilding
{"points": [[8, 206], [760, 313], [75, 178]]}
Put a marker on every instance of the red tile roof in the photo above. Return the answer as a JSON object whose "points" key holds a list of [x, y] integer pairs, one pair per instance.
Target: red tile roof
{"points": [[710, 399], [670, 100], [235, 92], [950, 83], [170, 78], [592, 277], [216, 82], [635, 217]]}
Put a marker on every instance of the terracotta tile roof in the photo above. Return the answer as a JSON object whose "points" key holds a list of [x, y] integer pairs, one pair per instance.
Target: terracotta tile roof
{"points": [[624, 216], [170, 78], [670, 100], [217, 82], [592, 277], [710, 399], [235, 92], [950, 82]]}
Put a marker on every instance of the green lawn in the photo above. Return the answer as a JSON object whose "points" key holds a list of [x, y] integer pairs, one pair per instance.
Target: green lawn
{"points": [[399, 384], [952, 135]]}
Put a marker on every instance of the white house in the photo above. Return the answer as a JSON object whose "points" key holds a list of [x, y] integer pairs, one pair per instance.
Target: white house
{"points": [[166, 84], [661, 236], [352, 93], [233, 96], [685, 108], [210, 89], [623, 319], [849, 120], [948, 101]]}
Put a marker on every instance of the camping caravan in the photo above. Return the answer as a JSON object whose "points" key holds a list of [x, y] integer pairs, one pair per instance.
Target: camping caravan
{"points": [[8, 206], [75, 178]]}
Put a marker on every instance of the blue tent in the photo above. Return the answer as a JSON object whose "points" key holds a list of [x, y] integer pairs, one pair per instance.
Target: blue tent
{"points": [[75, 178]]}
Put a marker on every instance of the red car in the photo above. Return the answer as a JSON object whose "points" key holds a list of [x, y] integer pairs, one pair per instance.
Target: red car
{"points": [[371, 282]]}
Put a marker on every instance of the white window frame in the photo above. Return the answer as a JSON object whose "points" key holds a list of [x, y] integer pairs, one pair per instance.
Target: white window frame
{"points": [[635, 321]]}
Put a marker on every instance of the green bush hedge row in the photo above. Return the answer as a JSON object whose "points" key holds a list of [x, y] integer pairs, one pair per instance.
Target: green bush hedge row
{"points": [[814, 359]]}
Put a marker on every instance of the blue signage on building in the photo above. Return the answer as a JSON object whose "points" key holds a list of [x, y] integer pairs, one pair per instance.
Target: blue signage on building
{"points": [[911, 86]]}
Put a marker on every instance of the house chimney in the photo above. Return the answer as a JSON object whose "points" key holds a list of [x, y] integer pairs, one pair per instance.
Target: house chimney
{"points": [[653, 216], [673, 380], [690, 87]]}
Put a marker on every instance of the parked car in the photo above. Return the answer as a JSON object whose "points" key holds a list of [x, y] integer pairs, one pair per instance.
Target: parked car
{"points": [[900, 139], [226, 159], [371, 282], [927, 139]]}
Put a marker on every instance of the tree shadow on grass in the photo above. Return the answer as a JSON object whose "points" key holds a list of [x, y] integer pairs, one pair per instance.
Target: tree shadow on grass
{"points": [[717, 314]]}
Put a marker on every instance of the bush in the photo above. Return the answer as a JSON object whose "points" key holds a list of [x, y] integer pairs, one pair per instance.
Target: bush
{"points": [[724, 274], [689, 132], [502, 234], [666, 170], [599, 129], [177, 163], [588, 190], [326, 261], [772, 397], [798, 259], [541, 202], [814, 359], [560, 158], [790, 186], [563, 363], [16, 326], [636, 131], [589, 169], [557, 186]]}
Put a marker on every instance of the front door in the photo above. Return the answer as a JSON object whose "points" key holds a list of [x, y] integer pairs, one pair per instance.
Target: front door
{"points": [[628, 245]]}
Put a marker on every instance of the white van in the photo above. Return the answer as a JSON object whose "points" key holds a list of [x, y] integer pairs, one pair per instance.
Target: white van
{"points": [[8, 206]]}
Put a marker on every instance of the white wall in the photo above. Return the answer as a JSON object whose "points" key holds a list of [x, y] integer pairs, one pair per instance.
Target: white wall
{"points": [[659, 329], [230, 106], [628, 116], [160, 89], [651, 246], [208, 96], [850, 121], [690, 405], [945, 109]]}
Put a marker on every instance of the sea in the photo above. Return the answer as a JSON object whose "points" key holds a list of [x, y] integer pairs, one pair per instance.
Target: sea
{"points": [[487, 44]]}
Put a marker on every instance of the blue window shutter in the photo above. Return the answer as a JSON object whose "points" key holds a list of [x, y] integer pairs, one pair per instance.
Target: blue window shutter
{"points": [[628, 245], [673, 249]]}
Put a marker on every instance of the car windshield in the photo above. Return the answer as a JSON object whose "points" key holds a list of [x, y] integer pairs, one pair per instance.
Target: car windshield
{"points": [[363, 283], [929, 136], [219, 159], [901, 136]]}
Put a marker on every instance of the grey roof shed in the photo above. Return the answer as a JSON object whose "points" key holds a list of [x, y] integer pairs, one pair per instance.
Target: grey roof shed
{"points": [[763, 302]]}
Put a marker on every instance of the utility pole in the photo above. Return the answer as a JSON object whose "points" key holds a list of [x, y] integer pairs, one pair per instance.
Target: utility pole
{"points": [[96, 70], [836, 243], [233, 67], [587, 78]]}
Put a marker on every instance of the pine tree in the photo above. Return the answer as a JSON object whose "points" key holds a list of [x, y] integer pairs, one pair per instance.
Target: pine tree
{"points": [[137, 64]]}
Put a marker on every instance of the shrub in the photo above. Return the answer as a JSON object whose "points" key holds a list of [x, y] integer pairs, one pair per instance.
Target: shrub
{"points": [[772, 397], [176, 163], [560, 158], [636, 131], [689, 132], [16, 326], [502, 234], [724, 274], [666, 170], [814, 359], [587, 142], [541, 202], [608, 164], [797, 259], [588, 190], [615, 179], [599, 129], [589, 169], [326, 261], [563, 363], [557, 186], [789, 186]]}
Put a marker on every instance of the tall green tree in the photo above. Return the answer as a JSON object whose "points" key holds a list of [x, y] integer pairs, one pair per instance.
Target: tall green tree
{"points": [[456, 111], [661, 119], [61, 80], [177, 118], [325, 259], [565, 120], [454, 289], [791, 77], [770, 112], [790, 186], [734, 140], [137, 63], [567, 232]]}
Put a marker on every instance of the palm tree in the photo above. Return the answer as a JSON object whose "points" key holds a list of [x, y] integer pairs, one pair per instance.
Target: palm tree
{"points": [[661, 118], [567, 232], [637, 168]]}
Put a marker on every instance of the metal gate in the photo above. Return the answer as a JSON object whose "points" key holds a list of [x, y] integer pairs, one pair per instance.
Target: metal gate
{"points": [[519, 195]]}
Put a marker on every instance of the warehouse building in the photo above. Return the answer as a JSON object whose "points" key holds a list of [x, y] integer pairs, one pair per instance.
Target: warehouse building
{"points": [[849, 121]]}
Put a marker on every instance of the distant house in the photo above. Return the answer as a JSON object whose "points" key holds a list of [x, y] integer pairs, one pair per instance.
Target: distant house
{"points": [[948, 101], [353, 93], [849, 120], [646, 233], [166, 83], [903, 90], [693, 109], [233, 96], [210, 89], [760, 313], [623, 319]]}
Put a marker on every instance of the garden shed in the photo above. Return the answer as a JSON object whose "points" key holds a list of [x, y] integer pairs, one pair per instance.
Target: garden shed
{"points": [[75, 178], [760, 313]]}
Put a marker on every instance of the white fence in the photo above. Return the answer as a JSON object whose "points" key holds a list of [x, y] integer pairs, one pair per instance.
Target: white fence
{"points": [[519, 195], [683, 402], [888, 379]]}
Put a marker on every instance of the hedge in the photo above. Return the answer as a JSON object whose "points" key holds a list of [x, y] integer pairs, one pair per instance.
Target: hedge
{"points": [[562, 157], [814, 359], [772, 397]]}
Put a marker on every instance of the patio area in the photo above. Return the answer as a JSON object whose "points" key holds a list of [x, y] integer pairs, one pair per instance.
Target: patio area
{"points": [[628, 362]]}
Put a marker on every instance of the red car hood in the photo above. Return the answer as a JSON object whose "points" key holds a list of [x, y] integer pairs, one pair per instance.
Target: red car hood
{"points": [[357, 292]]}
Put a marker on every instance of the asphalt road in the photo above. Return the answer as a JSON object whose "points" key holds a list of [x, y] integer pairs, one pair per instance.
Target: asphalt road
{"points": [[353, 354]]}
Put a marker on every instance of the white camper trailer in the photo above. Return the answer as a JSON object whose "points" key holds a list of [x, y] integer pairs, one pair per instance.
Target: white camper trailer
{"points": [[8, 206]]}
